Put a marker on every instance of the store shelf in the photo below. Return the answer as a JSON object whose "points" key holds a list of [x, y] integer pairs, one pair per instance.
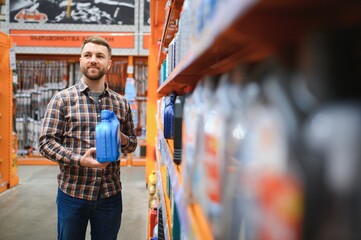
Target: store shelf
{"points": [[40, 160], [137, 162], [239, 33], [252, 30], [163, 203], [8, 165], [170, 26], [191, 217]]}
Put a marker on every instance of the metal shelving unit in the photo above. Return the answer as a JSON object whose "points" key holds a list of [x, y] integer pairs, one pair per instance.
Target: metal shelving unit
{"points": [[239, 32], [8, 159]]}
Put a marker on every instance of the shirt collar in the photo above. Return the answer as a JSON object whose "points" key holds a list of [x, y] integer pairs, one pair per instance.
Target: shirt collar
{"points": [[83, 87]]}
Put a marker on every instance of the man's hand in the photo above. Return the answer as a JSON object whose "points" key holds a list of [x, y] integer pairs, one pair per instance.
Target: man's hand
{"points": [[124, 139], [87, 160]]}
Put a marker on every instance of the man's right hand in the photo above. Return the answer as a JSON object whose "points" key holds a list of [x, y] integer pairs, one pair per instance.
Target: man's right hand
{"points": [[87, 160]]}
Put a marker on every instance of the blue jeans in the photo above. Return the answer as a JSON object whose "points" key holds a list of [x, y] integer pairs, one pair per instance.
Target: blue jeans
{"points": [[73, 215]]}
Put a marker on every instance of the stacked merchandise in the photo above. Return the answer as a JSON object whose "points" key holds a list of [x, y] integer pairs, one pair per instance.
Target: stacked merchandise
{"points": [[192, 24], [270, 149], [267, 147], [237, 159], [141, 85], [330, 67], [38, 81], [135, 93]]}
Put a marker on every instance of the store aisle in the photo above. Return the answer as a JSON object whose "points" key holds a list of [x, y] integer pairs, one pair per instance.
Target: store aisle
{"points": [[28, 211]]}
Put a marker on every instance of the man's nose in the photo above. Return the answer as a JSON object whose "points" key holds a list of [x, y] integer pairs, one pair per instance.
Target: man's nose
{"points": [[93, 58]]}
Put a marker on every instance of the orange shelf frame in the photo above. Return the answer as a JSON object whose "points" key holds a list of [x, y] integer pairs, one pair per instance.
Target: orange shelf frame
{"points": [[35, 160], [8, 164], [40, 160]]}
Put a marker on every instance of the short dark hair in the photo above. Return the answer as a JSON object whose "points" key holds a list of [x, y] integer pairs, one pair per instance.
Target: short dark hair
{"points": [[97, 40]]}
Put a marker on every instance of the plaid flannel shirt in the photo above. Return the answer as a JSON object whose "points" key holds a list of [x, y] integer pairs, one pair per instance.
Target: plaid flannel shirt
{"points": [[68, 131]]}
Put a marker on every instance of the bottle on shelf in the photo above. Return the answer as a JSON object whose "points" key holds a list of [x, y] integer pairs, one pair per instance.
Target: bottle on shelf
{"points": [[169, 116], [178, 125]]}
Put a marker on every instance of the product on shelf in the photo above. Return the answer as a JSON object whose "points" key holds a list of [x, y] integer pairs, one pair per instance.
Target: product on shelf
{"points": [[152, 189], [193, 145], [213, 161], [178, 125], [153, 222], [169, 116], [330, 67], [176, 227], [271, 186], [160, 232], [331, 158], [234, 131]]}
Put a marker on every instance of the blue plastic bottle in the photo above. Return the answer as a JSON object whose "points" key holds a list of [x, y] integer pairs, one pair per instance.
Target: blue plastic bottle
{"points": [[107, 137], [115, 135]]}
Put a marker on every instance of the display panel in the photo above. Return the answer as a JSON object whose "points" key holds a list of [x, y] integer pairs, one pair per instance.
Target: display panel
{"points": [[109, 12]]}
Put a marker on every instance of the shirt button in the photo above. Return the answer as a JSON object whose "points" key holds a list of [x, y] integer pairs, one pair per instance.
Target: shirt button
{"points": [[98, 115], [99, 100]]}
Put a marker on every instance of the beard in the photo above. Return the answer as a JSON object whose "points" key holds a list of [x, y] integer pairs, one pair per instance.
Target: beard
{"points": [[93, 76]]}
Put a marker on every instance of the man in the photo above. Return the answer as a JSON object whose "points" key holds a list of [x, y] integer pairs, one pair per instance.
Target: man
{"points": [[88, 190]]}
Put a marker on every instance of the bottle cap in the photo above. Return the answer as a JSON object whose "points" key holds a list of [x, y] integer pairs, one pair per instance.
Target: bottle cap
{"points": [[105, 114]]}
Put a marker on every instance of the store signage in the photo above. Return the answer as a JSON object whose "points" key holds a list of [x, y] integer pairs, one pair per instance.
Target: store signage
{"points": [[40, 38], [146, 39], [120, 12]]}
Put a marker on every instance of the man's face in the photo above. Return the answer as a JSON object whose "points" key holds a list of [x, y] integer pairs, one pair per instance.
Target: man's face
{"points": [[94, 61]]}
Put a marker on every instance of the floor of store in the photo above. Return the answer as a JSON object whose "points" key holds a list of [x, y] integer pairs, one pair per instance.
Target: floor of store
{"points": [[28, 211]]}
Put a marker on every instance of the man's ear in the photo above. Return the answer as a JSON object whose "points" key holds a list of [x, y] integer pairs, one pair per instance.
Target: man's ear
{"points": [[109, 64]]}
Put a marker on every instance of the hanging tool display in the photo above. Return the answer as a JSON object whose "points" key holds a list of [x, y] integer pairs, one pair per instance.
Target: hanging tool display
{"points": [[117, 76], [141, 85], [38, 81]]}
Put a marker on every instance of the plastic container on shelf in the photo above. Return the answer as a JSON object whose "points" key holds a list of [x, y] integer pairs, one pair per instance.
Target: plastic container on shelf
{"points": [[213, 161], [332, 160], [270, 188], [331, 154], [178, 125], [234, 132], [169, 116], [107, 137], [190, 134], [193, 119]]}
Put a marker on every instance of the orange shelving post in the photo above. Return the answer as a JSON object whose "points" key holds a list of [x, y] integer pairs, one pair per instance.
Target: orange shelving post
{"points": [[157, 16], [8, 164]]}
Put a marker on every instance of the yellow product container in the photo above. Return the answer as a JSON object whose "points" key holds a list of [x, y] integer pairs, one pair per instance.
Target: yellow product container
{"points": [[14, 156]]}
